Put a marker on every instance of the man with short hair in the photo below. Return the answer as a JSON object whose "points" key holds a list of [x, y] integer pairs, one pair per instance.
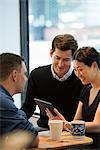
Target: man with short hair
{"points": [[12, 81], [55, 83]]}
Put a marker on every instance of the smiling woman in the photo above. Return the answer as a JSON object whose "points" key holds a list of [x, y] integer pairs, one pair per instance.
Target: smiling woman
{"points": [[86, 62], [89, 105]]}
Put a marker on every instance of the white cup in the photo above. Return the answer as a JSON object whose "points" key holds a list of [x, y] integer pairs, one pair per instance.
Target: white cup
{"points": [[56, 127]]}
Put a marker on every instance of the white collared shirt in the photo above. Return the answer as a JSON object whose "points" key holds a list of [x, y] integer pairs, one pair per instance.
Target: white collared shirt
{"points": [[65, 77]]}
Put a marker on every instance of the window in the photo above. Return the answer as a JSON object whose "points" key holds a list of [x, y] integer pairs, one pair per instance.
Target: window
{"points": [[47, 18]]}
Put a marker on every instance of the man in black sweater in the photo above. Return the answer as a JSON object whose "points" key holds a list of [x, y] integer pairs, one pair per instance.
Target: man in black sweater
{"points": [[55, 83]]}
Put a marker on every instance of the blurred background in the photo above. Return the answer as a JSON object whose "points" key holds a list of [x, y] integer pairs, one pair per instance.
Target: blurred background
{"points": [[27, 27], [47, 18]]}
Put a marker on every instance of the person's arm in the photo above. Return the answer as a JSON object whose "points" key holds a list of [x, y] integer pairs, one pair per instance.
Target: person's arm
{"points": [[15, 119], [94, 126], [78, 114]]}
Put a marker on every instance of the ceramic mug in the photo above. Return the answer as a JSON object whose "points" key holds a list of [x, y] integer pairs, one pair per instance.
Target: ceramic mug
{"points": [[77, 128]]}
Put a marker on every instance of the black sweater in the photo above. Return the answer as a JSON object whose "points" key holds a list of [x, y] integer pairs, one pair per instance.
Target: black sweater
{"points": [[63, 95]]}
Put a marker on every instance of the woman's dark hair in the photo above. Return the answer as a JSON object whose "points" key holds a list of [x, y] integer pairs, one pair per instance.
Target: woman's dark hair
{"points": [[87, 55], [65, 42]]}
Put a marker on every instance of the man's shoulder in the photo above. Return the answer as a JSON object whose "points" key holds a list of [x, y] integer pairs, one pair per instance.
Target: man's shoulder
{"points": [[75, 80], [3, 95], [41, 69], [73, 76], [5, 99]]}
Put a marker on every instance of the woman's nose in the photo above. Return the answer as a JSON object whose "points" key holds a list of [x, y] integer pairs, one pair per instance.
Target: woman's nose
{"points": [[77, 73]]}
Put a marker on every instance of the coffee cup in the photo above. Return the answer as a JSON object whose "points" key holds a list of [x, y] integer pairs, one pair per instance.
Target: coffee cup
{"points": [[56, 127], [77, 128]]}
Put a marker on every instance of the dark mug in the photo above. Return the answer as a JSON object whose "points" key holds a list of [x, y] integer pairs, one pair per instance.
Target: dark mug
{"points": [[77, 128]]}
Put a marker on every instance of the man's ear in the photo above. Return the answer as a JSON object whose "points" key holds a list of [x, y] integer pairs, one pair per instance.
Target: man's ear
{"points": [[51, 52], [14, 75], [94, 64]]}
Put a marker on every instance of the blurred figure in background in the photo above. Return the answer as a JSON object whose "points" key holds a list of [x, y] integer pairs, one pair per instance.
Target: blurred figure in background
{"points": [[15, 140], [55, 83], [12, 81]]}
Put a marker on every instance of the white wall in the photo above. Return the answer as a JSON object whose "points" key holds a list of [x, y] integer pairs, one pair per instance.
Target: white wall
{"points": [[10, 30]]}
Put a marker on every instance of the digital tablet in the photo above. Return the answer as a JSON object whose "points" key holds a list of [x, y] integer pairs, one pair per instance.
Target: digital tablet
{"points": [[43, 105]]}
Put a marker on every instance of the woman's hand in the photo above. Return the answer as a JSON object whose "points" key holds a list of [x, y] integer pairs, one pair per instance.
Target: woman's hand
{"points": [[58, 117], [50, 115]]}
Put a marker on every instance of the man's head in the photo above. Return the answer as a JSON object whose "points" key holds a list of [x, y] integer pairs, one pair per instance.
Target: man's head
{"points": [[63, 48], [64, 42], [13, 71]]}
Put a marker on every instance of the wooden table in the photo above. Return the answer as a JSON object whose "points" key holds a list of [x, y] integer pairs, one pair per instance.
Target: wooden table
{"points": [[67, 141]]}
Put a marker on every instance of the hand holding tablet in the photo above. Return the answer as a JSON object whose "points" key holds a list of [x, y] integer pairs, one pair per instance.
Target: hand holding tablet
{"points": [[43, 105]]}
